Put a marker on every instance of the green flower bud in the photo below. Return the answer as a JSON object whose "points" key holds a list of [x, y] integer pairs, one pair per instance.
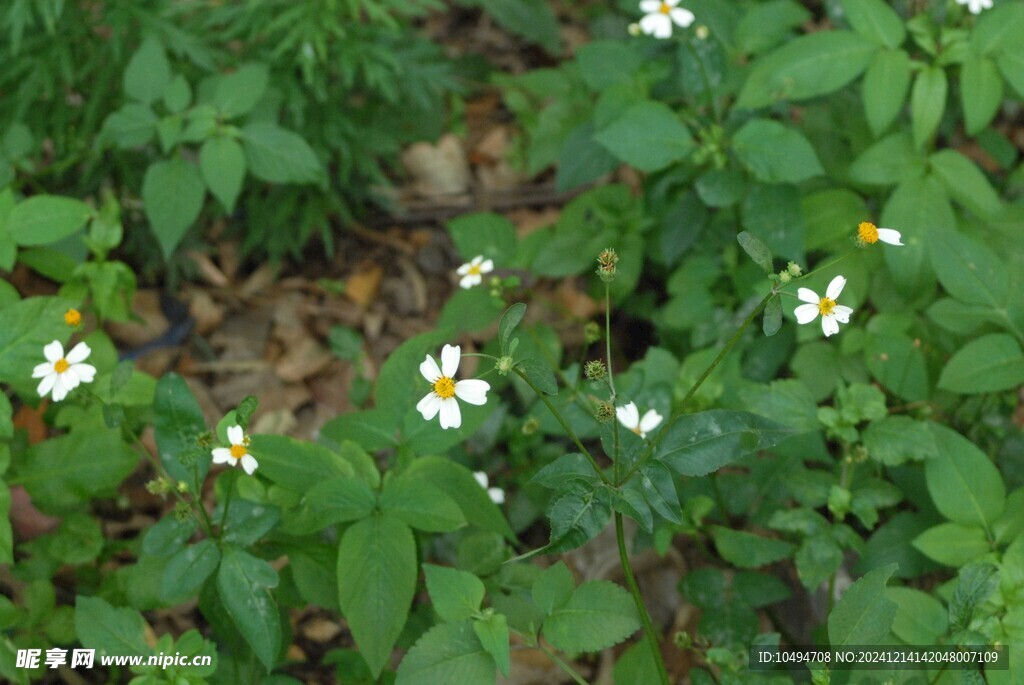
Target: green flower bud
{"points": [[594, 370]]}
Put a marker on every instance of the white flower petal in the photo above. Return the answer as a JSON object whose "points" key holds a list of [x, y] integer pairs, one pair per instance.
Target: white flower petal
{"points": [[829, 325], [888, 235], [78, 353], [236, 436], [429, 369], [807, 295], [44, 369], [46, 385], [487, 267], [222, 455], [54, 352], [60, 391], [70, 378], [249, 463], [628, 416], [806, 313], [429, 406], [682, 17], [450, 360], [657, 25], [842, 313], [650, 6], [470, 280], [451, 415], [472, 391], [86, 372], [650, 421], [481, 478], [497, 495], [835, 287], [464, 269]]}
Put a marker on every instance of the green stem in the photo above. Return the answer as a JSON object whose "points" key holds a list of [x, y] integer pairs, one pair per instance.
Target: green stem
{"points": [[565, 426], [634, 589], [569, 670], [611, 378]]}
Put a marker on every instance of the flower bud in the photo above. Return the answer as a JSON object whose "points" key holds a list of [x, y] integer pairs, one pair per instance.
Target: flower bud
{"points": [[605, 412], [594, 370], [530, 426], [73, 318], [591, 333], [504, 365], [794, 269], [606, 262]]}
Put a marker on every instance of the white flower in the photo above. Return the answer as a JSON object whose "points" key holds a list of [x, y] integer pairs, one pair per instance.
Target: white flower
{"points": [[976, 6], [629, 416], [868, 233], [660, 15], [441, 397], [832, 314], [63, 374], [497, 494], [472, 273], [238, 452]]}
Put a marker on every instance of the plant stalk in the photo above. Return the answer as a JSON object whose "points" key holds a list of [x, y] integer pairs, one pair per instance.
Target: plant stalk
{"points": [[627, 570]]}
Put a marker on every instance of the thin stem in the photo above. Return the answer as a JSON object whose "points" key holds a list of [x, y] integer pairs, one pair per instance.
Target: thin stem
{"points": [[570, 671], [611, 377], [634, 589], [565, 426]]}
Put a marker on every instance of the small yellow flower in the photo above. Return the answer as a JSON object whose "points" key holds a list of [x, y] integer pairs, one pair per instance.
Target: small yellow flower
{"points": [[73, 317], [869, 234]]}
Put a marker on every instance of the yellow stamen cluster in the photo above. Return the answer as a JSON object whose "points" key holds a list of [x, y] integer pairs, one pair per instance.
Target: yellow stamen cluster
{"points": [[61, 365], [867, 232], [238, 451], [474, 270], [826, 305], [73, 317], [444, 387], [664, 9]]}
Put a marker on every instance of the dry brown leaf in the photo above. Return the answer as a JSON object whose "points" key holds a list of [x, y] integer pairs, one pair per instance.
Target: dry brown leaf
{"points": [[362, 286]]}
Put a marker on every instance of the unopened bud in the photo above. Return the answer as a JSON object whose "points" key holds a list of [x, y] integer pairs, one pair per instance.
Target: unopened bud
{"points": [[73, 318], [784, 277], [591, 333], [158, 486], [504, 365], [530, 426], [605, 412], [606, 262], [182, 512], [794, 269], [594, 370]]}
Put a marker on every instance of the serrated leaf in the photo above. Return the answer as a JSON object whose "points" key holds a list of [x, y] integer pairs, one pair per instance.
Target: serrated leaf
{"points": [[575, 519], [243, 584], [339, 500], [110, 630], [894, 440], [598, 615], [172, 196], [459, 484], [648, 136], [747, 550], [296, 464], [864, 614], [697, 444], [540, 375], [223, 165], [454, 594], [187, 570], [567, 469], [420, 505], [553, 587], [448, 654], [376, 583], [493, 634]]}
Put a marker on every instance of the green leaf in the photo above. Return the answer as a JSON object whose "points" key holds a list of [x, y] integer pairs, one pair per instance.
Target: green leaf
{"points": [[747, 550], [818, 558], [339, 500], [178, 422], [920, 618], [885, 88], [45, 219], [891, 160], [988, 364], [29, 325], [969, 270], [168, 536], [897, 362], [493, 634], [188, 569], [648, 136], [775, 153], [540, 375], [767, 24], [279, 156], [223, 165], [110, 630], [876, 21], [177, 95], [509, 320], [237, 93], [605, 63], [131, 126], [999, 28], [772, 213], [244, 583], [927, 104], [864, 615], [598, 615], [1011, 64], [894, 440], [420, 505], [920, 208], [296, 464], [831, 215], [376, 583], [697, 444], [960, 317], [459, 484], [721, 187], [448, 654], [575, 519], [636, 665], [964, 484], [553, 587], [582, 160], [806, 67], [148, 72], [756, 250], [372, 429], [965, 182], [981, 90], [172, 196], [484, 234], [772, 321], [953, 544], [62, 473], [455, 594]]}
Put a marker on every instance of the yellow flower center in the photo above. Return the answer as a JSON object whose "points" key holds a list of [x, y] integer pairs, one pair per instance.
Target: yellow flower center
{"points": [[826, 305], [72, 317], [637, 431], [238, 451], [664, 9], [61, 365], [444, 387], [867, 232], [474, 270]]}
